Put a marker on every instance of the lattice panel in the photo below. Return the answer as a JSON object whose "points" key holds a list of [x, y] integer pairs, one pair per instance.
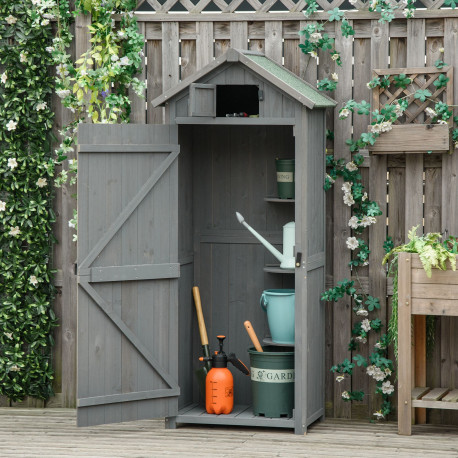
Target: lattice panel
{"points": [[421, 79], [265, 6]]}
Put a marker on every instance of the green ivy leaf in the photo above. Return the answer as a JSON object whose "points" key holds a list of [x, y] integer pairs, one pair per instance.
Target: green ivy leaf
{"points": [[360, 360], [335, 14], [372, 303], [402, 80], [422, 94]]}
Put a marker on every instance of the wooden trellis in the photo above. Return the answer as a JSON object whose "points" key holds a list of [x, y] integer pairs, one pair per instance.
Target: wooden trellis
{"points": [[414, 131]]}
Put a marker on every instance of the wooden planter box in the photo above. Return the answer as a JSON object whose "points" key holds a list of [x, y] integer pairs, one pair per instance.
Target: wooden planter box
{"points": [[413, 138], [421, 295]]}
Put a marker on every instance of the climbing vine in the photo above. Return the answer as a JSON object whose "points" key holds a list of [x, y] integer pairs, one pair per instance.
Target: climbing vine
{"points": [[96, 86], [26, 216]]}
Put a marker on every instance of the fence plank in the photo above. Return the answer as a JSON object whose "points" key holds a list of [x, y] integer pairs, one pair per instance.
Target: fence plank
{"points": [[342, 309], [377, 192], [138, 104], [154, 81], [239, 35], [204, 44], [274, 45]]}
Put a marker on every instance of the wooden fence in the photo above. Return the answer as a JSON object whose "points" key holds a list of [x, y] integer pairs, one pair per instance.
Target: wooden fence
{"points": [[417, 189]]}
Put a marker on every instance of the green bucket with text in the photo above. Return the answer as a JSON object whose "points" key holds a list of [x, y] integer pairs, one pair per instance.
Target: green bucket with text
{"points": [[285, 178], [272, 381]]}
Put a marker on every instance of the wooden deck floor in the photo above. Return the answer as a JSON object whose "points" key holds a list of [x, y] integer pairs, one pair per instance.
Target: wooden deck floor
{"points": [[53, 433]]}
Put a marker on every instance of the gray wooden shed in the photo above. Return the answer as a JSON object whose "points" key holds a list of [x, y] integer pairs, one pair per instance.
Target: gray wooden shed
{"points": [[156, 210]]}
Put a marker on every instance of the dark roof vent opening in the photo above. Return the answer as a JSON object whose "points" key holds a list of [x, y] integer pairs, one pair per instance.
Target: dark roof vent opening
{"points": [[237, 100]]}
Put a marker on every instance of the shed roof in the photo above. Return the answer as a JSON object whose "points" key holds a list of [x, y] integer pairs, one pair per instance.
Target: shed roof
{"points": [[274, 73]]}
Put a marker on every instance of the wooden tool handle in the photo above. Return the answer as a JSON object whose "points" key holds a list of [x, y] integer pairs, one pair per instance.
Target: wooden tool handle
{"points": [[253, 336], [200, 316]]}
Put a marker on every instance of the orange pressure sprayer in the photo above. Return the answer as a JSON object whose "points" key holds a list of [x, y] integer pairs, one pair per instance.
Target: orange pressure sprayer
{"points": [[219, 384]]}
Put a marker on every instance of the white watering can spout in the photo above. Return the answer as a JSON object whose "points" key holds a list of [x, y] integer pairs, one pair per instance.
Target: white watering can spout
{"points": [[287, 257]]}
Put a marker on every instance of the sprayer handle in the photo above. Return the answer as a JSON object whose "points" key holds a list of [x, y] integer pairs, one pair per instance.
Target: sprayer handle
{"points": [[263, 302], [238, 364]]}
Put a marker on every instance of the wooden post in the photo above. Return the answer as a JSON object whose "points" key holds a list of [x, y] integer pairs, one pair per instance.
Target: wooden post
{"points": [[414, 206], [404, 345]]}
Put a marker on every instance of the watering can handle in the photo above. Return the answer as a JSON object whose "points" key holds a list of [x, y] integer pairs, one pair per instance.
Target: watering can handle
{"points": [[263, 302]]}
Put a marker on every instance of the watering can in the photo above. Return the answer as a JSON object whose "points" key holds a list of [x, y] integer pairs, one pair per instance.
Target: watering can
{"points": [[286, 258]]}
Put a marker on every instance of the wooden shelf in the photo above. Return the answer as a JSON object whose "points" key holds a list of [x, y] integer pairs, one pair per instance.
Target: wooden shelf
{"points": [[277, 199], [276, 269], [435, 398], [242, 415], [236, 121]]}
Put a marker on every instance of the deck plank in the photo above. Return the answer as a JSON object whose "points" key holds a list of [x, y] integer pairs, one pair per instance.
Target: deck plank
{"points": [[53, 433]]}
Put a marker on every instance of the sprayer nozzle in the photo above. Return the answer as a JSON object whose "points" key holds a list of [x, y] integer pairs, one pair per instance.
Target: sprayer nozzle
{"points": [[240, 218]]}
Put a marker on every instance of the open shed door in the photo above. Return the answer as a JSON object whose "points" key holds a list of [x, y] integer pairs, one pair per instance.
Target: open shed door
{"points": [[127, 272]]}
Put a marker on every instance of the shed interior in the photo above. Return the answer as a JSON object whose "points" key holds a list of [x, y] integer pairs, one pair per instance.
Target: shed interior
{"points": [[224, 169]]}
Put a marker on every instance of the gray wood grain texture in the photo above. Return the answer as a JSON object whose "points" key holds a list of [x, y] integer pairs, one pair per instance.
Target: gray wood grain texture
{"points": [[111, 184]]}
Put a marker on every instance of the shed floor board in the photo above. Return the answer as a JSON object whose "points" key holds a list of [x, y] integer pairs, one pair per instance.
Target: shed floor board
{"points": [[53, 433]]}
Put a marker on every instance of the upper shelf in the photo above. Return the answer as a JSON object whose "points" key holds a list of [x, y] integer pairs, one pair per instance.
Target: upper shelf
{"points": [[277, 199], [236, 121]]}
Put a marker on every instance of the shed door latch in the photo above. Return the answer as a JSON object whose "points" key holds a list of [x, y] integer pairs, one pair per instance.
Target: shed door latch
{"points": [[298, 259]]}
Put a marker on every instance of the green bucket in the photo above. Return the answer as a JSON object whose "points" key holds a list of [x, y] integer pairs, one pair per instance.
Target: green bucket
{"points": [[285, 178], [272, 382]]}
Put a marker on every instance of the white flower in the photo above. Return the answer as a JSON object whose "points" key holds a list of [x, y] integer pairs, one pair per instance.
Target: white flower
{"points": [[398, 110], [12, 163], [23, 57], [9, 335], [315, 37], [380, 346], [49, 49], [330, 179], [121, 34], [387, 371], [361, 339], [340, 378], [351, 166], [36, 2], [45, 22], [353, 222], [346, 187], [376, 128], [386, 126], [124, 61], [42, 182], [430, 112], [345, 395], [11, 125], [14, 231], [314, 54], [2, 206], [364, 197], [33, 280], [114, 58], [41, 106], [62, 93], [348, 199], [344, 113], [370, 370], [11, 20], [442, 121], [369, 85], [4, 77], [352, 243], [71, 224], [387, 387], [15, 368], [362, 312], [335, 76], [366, 325], [379, 415], [409, 13], [62, 70], [368, 220], [335, 56], [441, 50]]}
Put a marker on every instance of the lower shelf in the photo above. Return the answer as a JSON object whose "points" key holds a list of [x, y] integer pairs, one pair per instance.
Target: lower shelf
{"points": [[240, 416], [435, 398]]}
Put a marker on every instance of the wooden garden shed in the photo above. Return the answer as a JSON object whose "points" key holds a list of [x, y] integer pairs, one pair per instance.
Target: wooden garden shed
{"points": [[156, 206]]}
